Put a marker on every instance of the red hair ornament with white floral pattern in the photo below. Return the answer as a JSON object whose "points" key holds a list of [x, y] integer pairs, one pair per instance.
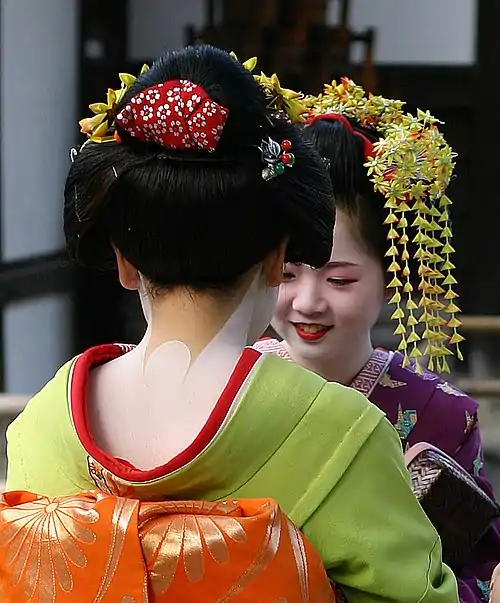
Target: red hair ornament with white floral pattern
{"points": [[177, 115]]}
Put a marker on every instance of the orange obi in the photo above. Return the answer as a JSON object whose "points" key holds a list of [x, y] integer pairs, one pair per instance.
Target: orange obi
{"points": [[98, 548]]}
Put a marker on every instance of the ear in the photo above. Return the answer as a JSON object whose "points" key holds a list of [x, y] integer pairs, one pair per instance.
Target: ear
{"points": [[273, 265], [128, 275]]}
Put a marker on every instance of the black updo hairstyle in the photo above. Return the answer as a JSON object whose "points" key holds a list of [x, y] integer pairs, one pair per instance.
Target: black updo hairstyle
{"points": [[191, 218], [353, 191]]}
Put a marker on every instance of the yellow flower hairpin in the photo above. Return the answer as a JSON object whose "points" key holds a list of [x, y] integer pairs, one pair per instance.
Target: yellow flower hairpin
{"points": [[97, 127], [280, 100]]}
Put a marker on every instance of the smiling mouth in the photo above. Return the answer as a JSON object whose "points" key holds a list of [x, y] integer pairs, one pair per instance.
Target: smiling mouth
{"points": [[309, 332]]}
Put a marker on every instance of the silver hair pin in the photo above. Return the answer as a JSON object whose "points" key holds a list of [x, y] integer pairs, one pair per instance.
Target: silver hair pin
{"points": [[76, 151], [276, 157]]}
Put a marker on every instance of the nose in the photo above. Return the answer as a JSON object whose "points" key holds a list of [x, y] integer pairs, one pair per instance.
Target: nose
{"points": [[308, 301]]}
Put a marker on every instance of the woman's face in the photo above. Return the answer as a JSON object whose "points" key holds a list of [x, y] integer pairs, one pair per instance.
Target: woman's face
{"points": [[329, 312]]}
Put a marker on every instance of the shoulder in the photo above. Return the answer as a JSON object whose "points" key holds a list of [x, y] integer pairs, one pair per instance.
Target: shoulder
{"points": [[350, 401], [296, 378], [445, 415], [447, 395], [448, 399], [49, 411], [40, 442], [350, 415], [440, 393], [46, 408], [44, 451], [322, 426], [332, 408], [454, 412]]}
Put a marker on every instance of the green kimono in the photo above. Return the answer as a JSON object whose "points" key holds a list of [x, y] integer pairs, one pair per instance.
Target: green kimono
{"points": [[326, 454]]}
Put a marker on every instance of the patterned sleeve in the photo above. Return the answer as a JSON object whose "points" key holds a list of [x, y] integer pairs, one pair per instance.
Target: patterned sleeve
{"points": [[450, 422], [474, 580]]}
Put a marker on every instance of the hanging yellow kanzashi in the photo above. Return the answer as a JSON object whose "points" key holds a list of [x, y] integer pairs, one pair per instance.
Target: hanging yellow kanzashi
{"points": [[411, 167]]}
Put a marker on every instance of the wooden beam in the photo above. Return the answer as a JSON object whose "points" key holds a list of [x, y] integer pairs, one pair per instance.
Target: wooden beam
{"points": [[33, 277], [479, 387], [480, 324], [12, 405]]}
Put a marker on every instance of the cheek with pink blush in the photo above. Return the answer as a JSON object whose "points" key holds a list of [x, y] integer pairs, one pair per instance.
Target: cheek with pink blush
{"points": [[343, 299]]}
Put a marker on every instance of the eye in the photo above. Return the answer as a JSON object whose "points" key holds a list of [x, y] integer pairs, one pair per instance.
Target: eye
{"points": [[339, 282], [288, 276]]}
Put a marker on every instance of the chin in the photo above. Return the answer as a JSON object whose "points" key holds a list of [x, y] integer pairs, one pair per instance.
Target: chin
{"points": [[309, 352], [310, 349]]}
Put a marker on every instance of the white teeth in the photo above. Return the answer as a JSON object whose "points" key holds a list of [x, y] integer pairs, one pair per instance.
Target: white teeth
{"points": [[312, 328]]}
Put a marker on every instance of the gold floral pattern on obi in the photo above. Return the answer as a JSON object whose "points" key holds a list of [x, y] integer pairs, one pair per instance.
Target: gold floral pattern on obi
{"points": [[300, 556], [185, 536], [45, 540], [123, 515], [94, 547]]}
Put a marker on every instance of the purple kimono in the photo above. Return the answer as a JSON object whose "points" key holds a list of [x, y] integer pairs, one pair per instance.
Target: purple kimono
{"points": [[424, 408]]}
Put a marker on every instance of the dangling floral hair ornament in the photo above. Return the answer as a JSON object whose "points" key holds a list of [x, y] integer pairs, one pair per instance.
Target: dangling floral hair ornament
{"points": [[411, 166]]}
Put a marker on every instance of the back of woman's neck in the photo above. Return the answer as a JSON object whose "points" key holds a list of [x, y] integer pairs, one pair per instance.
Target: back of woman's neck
{"points": [[193, 320]]}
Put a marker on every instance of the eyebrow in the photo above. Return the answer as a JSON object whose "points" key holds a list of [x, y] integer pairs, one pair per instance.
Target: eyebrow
{"points": [[334, 264], [339, 264]]}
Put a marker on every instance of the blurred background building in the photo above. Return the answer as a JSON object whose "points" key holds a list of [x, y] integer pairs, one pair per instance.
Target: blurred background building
{"points": [[57, 56]]}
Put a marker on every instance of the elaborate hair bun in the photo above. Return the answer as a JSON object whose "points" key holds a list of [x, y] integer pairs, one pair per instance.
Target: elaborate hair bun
{"points": [[200, 179], [198, 91]]}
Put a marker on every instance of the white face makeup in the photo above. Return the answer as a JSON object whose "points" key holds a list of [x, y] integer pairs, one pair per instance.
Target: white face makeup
{"points": [[327, 314]]}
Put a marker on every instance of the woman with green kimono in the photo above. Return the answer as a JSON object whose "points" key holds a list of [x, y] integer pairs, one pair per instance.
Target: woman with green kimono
{"points": [[182, 168]]}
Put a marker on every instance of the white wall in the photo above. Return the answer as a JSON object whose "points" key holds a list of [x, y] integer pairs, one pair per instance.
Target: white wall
{"points": [[38, 72], [418, 31], [38, 121], [159, 25], [36, 339]]}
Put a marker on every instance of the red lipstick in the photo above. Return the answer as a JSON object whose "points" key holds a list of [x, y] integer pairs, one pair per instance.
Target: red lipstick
{"points": [[309, 332]]}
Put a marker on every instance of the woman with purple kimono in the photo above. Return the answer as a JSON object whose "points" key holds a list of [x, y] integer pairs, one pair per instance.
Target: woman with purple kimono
{"points": [[325, 316]]}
